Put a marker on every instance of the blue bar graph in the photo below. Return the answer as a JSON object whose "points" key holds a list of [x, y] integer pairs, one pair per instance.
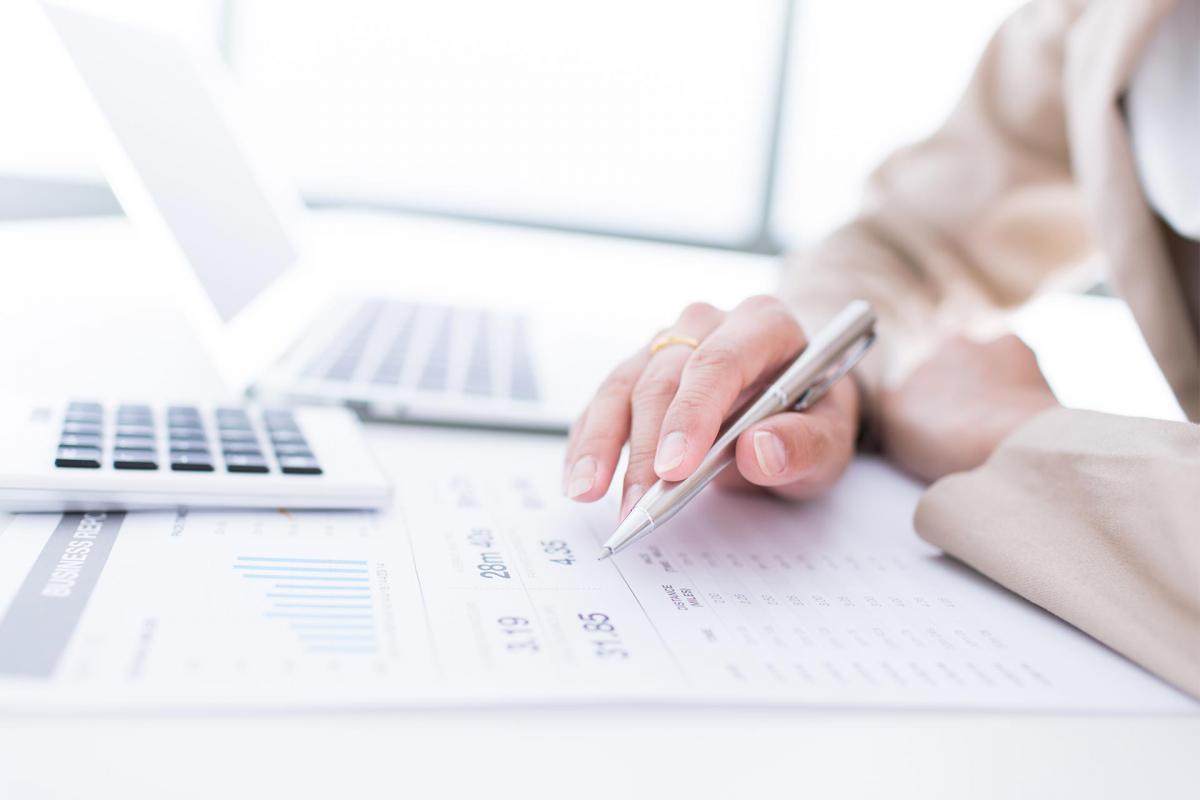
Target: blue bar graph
{"points": [[329, 626], [298, 569], [326, 602], [310, 596], [305, 560], [315, 587], [307, 615]]}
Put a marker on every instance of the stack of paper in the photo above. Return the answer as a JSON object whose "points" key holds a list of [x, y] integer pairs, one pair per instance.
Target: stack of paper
{"points": [[482, 586]]}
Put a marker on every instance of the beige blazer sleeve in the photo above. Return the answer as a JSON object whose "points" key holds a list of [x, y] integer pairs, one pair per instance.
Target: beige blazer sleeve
{"points": [[973, 218], [1096, 518]]}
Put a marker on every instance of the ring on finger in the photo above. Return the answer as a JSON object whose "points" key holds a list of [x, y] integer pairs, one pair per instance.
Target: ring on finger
{"points": [[671, 339]]}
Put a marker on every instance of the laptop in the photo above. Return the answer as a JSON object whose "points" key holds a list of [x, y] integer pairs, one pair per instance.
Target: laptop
{"points": [[186, 171]]}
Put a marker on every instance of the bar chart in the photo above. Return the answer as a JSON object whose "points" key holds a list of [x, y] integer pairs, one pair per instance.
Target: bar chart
{"points": [[326, 603]]}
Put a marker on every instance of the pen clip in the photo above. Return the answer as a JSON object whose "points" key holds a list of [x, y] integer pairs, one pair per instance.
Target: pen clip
{"points": [[834, 374]]}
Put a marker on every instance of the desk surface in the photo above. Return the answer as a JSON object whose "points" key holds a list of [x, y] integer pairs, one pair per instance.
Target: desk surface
{"points": [[91, 307]]}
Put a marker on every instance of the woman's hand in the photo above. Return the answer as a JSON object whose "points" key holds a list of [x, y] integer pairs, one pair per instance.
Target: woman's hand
{"points": [[669, 406], [957, 407]]}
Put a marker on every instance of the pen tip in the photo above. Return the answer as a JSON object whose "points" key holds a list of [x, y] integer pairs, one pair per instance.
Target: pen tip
{"points": [[607, 552]]}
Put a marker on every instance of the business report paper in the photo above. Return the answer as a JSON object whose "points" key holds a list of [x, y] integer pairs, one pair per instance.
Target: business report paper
{"points": [[482, 586]]}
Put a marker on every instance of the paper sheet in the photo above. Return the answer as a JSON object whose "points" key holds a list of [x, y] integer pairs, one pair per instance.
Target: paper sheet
{"points": [[482, 586]]}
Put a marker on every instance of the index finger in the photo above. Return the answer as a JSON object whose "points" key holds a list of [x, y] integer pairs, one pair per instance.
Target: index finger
{"points": [[595, 442]]}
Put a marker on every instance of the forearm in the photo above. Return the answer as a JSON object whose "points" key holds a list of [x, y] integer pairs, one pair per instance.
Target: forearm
{"points": [[1095, 518], [974, 218]]}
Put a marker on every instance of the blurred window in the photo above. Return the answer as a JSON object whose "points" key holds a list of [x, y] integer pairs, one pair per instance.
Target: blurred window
{"points": [[645, 117], [45, 130], [867, 76]]}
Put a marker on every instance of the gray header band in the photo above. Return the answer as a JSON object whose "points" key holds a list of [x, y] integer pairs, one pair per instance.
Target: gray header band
{"points": [[43, 616]]}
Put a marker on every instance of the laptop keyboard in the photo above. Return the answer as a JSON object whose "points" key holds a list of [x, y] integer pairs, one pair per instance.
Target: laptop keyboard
{"points": [[432, 349], [183, 438]]}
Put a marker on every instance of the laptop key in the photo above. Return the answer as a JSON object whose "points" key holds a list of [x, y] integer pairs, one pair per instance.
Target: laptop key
{"points": [[352, 343], [133, 443], [479, 368], [189, 447], [245, 463], [391, 367], [191, 462], [437, 361], [78, 457], [241, 448], [137, 431], [80, 440], [285, 436], [78, 405], [135, 409], [134, 459], [187, 434], [85, 417], [299, 465], [232, 418], [84, 428], [292, 449], [238, 435], [524, 384]]}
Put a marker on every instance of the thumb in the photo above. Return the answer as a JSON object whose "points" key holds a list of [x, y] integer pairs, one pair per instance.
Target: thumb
{"points": [[799, 454]]}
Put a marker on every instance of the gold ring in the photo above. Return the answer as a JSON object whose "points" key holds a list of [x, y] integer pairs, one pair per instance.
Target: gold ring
{"points": [[669, 339]]}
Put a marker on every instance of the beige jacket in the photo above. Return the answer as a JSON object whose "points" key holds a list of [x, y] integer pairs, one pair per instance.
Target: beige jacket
{"points": [[1094, 517]]}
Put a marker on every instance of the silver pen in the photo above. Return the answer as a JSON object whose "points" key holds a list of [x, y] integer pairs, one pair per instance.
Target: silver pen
{"points": [[829, 355]]}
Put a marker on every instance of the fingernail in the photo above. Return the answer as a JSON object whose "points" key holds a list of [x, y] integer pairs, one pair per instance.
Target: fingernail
{"points": [[768, 449], [582, 477], [670, 452], [632, 495]]}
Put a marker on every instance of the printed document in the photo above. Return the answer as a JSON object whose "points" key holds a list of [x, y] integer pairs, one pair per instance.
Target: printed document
{"points": [[482, 586]]}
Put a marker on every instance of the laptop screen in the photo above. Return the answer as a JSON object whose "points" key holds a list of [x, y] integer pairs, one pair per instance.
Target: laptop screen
{"points": [[183, 153]]}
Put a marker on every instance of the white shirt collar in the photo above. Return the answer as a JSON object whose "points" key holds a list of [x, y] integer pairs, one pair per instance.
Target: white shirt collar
{"points": [[1163, 110]]}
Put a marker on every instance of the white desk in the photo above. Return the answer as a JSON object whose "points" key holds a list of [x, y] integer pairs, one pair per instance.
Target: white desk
{"points": [[60, 281]]}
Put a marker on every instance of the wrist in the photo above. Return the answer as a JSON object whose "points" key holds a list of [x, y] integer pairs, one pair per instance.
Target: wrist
{"points": [[1019, 410]]}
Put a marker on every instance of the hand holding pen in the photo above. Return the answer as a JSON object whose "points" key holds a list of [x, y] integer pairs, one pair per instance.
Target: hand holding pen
{"points": [[671, 400]]}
